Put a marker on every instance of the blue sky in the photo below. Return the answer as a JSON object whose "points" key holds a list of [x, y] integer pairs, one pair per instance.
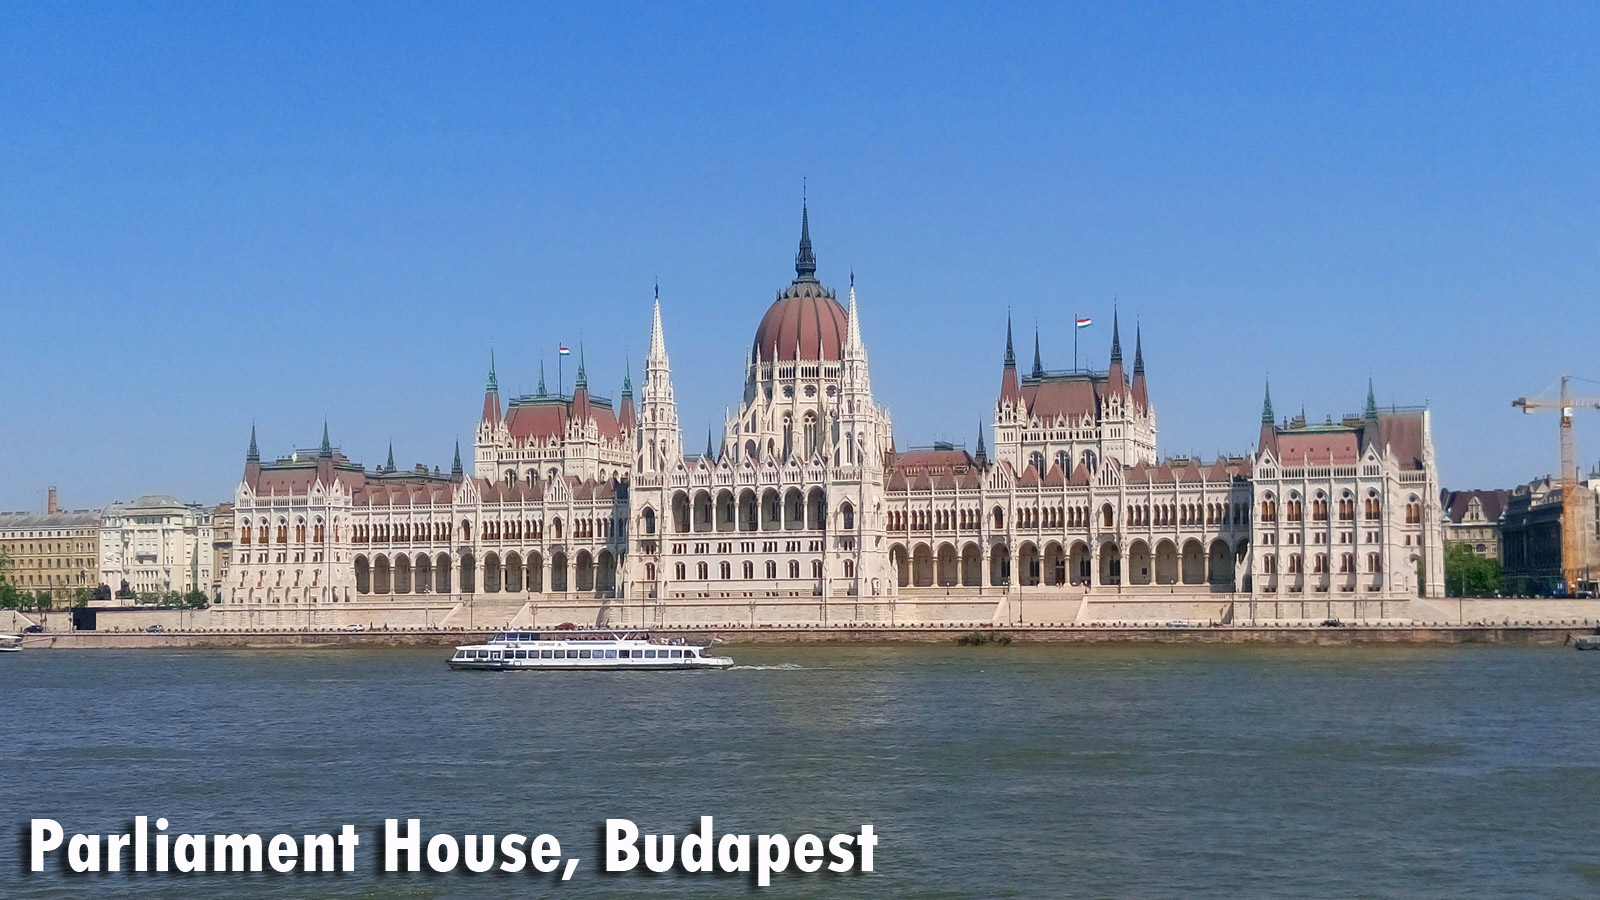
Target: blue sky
{"points": [[219, 214]]}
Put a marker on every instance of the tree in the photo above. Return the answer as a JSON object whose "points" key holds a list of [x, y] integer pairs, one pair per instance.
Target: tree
{"points": [[1466, 574]]}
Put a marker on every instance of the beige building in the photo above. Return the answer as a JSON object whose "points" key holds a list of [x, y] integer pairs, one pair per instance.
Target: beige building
{"points": [[221, 547], [55, 551], [157, 543], [1473, 518]]}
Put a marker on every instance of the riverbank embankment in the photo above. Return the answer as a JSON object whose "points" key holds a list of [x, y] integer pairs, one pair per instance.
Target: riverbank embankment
{"points": [[1550, 634]]}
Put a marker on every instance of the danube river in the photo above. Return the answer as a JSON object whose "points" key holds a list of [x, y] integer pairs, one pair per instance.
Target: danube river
{"points": [[987, 772]]}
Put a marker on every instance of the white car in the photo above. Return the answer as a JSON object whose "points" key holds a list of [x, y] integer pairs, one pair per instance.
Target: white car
{"points": [[355, 626], [1178, 623]]}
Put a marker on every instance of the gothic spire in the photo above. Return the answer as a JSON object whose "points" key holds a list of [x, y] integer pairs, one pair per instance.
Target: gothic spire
{"points": [[1116, 339], [327, 448], [1011, 356], [583, 380], [1372, 403], [627, 378], [1138, 351], [1266, 406], [389, 466], [658, 343], [542, 391], [455, 467], [982, 455], [1038, 367], [710, 455], [252, 455], [493, 385], [805, 262]]}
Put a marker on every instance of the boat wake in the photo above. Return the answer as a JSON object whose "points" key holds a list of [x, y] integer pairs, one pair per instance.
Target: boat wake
{"points": [[779, 667]]}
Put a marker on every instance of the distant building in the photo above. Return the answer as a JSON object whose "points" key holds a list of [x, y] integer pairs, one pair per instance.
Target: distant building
{"points": [[1473, 518], [53, 551], [221, 547], [1530, 536], [157, 543]]}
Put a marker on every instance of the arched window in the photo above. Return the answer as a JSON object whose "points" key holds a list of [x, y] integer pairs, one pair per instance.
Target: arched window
{"points": [[1108, 516], [702, 571], [1036, 459], [772, 569], [749, 570], [681, 572], [794, 568], [816, 568], [726, 571], [649, 520], [849, 568], [848, 514], [1091, 461], [811, 435], [1064, 461], [999, 516]]}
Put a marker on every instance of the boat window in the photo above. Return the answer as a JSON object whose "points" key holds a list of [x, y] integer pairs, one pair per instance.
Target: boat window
{"points": [[688, 654], [583, 654], [677, 654], [624, 654], [483, 654], [611, 654], [546, 654], [649, 654], [572, 654]]}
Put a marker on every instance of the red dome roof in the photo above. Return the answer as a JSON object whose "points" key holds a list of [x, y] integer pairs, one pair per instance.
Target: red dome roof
{"points": [[805, 323]]}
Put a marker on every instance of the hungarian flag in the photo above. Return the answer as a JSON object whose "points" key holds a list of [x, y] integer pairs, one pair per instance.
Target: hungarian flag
{"points": [[1084, 323], [565, 351]]}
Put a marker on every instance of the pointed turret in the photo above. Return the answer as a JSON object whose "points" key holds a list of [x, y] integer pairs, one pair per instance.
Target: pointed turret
{"points": [[658, 343], [1117, 377], [710, 455], [326, 450], [1141, 392], [455, 467], [805, 262], [982, 456], [1269, 431], [580, 392], [1008, 376], [252, 459], [1038, 366], [389, 466], [325, 458], [542, 392], [625, 414], [491, 395], [1369, 430], [659, 441]]}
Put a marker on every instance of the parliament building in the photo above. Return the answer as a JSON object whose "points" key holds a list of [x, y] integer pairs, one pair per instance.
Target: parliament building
{"points": [[578, 508]]}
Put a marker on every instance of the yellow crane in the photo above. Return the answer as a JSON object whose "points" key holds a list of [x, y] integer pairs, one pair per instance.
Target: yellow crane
{"points": [[1572, 562]]}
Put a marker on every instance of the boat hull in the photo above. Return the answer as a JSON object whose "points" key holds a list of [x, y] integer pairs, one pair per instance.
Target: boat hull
{"points": [[582, 665]]}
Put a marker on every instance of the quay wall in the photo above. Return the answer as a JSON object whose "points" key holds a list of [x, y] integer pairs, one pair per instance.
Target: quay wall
{"points": [[1551, 634]]}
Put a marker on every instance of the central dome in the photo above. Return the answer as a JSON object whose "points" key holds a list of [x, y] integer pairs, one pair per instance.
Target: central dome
{"points": [[806, 322]]}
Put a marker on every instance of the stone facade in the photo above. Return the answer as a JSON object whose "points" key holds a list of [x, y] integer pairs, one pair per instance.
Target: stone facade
{"points": [[582, 510], [157, 543], [1473, 518], [56, 550], [1530, 537]]}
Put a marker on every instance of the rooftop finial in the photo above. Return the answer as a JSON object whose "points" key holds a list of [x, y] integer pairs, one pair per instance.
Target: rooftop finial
{"points": [[1038, 366], [327, 448], [1138, 350], [253, 455], [583, 380], [627, 378], [494, 385], [805, 262], [982, 456], [542, 391], [455, 467], [1266, 405], [390, 464], [1372, 402]]}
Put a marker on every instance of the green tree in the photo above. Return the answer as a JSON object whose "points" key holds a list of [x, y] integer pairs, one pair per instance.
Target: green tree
{"points": [[1466, 574], [196, 600], [10, 597]]}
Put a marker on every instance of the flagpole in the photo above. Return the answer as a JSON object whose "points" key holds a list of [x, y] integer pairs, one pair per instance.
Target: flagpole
{"points": [[561, 384], [1074, 342]]}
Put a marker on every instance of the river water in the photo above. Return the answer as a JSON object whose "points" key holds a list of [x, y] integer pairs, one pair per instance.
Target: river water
{"points": [[987, 772]]}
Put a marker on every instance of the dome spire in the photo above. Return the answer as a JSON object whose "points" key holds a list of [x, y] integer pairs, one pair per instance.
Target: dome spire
{"points": [[805, 262]]}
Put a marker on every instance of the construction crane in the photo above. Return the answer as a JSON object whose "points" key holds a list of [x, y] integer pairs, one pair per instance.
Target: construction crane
{"points": [[1572, 562]]}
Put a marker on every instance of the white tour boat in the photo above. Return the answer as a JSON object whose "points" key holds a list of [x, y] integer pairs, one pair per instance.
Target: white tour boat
{"points": [[607, 650], [10, 642]]}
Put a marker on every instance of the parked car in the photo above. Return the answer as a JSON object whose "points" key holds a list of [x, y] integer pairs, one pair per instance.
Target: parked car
{"points": [[1178, 623], [33, 629], [1332, 623], [355, 626], [154, 628]]}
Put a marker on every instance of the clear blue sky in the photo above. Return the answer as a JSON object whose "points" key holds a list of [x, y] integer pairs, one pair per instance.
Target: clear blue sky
{"points": [[213, 214]]}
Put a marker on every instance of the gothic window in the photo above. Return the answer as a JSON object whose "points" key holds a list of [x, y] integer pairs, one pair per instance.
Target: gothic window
{"points": [[1036, 459], [772, 569], [702, 571], [681, 572], [811, 436], [649, 520], [816, 568], [726, 571], [848, 513], [849, 568], [999, 518], [788, 435], [794, 568], [1064, 461], [1108, 516], [749, 570], [1091, 461]]}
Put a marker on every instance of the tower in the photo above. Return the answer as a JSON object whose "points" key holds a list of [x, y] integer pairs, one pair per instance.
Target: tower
{"points": [[659, 441]]}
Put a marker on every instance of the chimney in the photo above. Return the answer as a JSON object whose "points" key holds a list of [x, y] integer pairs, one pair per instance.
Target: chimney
{"points": [[52, 505]]}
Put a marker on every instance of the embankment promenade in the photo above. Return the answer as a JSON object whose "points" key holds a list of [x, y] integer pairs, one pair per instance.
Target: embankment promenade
{"points": [[1544, 633]]}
